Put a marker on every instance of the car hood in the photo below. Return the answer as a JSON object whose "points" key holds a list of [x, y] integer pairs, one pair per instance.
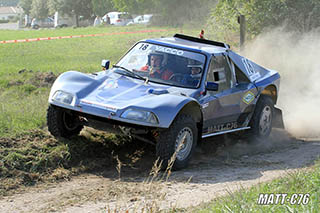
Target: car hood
{"points": [[120, 92]]}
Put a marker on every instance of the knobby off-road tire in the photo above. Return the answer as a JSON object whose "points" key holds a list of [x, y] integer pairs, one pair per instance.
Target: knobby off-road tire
{"points": [[183, 129], [261, 121], [62, 123]]}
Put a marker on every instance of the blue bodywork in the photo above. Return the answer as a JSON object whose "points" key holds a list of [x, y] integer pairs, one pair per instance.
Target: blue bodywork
{"points": [[109, 93]]}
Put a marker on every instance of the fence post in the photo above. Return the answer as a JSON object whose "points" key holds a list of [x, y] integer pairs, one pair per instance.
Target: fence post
{"points": [[242, 22]]}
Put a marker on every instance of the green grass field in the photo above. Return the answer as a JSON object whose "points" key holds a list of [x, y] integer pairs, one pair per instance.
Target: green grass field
{"points": [[246, 200], [23, 98]]}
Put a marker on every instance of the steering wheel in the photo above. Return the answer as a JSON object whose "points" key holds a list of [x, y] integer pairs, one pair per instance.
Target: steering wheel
{"points": [[176, 77]]}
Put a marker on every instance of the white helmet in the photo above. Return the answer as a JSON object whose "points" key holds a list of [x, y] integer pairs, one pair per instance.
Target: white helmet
{"points": [[195, 68]]}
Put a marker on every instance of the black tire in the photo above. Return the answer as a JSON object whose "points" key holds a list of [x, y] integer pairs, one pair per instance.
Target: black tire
{"points": [[62, 123], [184, 127], [261, 121]]}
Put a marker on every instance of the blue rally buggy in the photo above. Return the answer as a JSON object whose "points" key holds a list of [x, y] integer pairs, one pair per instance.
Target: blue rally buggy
{"points": [[171, 92]]}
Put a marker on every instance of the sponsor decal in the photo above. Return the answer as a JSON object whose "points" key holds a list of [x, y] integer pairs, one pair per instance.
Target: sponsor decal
{"points": [[248, 97], [223, 127], [169, 50], [205, 105], [252, 73]]}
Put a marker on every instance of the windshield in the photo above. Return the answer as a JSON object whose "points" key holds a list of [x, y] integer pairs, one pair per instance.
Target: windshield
{"points": [[165, 65]]}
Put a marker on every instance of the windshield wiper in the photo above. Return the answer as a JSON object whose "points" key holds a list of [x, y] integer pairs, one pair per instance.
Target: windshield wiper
{"points": [[130, 72]]}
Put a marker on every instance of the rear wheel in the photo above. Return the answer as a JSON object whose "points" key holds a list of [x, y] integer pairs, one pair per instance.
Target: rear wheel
{"points": [[176, 144], [261, 122], [62, 123]]}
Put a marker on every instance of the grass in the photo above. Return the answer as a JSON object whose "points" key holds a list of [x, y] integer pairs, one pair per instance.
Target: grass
{"points": [[245, 200], [23, 101], [29, 33], [35, 156], [22, 108]]}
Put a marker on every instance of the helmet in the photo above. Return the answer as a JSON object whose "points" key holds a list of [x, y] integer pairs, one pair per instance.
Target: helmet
{"points": [[195, 68], [195, 71], [164, 57]]}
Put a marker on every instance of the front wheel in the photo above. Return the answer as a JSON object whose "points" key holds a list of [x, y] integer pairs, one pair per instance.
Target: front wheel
{"points": [[261, 122], [176, 144], [62, 123]]}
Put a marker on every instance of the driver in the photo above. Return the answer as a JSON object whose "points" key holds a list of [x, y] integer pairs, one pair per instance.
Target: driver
{"points": [[157, 66]]}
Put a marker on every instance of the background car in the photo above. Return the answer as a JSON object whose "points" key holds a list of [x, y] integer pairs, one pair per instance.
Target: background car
{"points": [[45, 23], [117, 18], [142, 19]]}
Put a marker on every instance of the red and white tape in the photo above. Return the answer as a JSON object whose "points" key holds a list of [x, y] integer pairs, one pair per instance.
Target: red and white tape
{"points": [[78, 36]]}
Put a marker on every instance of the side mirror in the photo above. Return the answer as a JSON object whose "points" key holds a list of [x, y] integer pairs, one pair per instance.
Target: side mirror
{"points": [[105, 64], [211, 86]]}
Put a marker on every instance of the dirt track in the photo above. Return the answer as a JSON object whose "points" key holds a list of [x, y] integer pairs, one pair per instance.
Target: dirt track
{"points": [[212, 173]]}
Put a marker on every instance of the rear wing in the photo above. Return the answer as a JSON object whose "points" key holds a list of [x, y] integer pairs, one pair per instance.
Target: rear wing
{"points": [[202, 41]]}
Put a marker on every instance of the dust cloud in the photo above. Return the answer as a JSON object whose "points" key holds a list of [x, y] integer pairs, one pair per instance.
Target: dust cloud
{"points": [[296, 56]]}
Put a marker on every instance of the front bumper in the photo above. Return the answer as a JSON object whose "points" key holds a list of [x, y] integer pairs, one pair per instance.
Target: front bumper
{"points": [[109, 125]]}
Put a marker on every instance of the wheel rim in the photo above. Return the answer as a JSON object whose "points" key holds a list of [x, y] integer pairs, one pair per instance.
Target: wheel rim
{"points": [[69, 121], [265, 120], [184, 142]]}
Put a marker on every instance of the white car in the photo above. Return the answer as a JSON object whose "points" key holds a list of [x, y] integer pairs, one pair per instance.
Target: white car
{"points": [[142, 19], [117, 18], [48, 22]]}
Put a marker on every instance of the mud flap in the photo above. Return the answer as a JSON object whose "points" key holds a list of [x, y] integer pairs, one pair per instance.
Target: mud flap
{"points": [[278, 120]]}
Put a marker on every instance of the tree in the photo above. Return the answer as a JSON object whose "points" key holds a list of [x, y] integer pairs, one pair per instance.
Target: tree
{"points": [[75, 8], [26, 6], [178, 12], [39, 9], [101, 7], [299, 15], [303, 15], [56, 5], [133, 6]]}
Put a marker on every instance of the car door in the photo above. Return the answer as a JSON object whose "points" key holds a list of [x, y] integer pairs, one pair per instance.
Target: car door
{"points": [[224, 110]]}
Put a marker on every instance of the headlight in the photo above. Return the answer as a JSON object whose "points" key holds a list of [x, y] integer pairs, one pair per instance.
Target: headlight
{"points": [[139, 115], [63, 97]]}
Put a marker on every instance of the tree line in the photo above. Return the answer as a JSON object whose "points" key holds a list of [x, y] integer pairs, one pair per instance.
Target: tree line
{"points": [[168, 12], [218, 15], [294, 15]]}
